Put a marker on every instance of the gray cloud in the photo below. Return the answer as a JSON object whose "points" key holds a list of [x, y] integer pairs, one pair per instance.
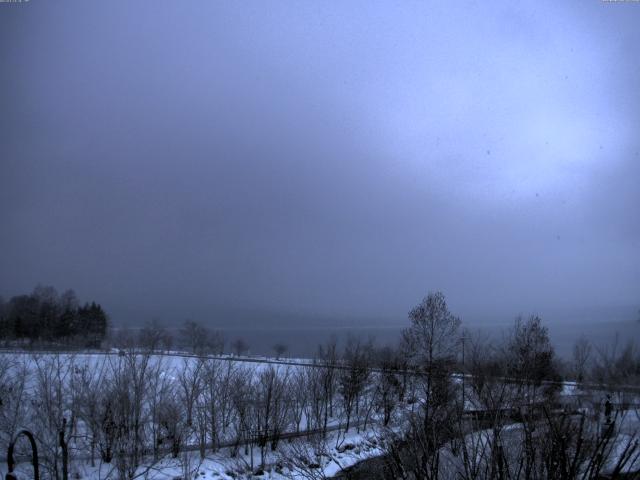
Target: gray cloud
{"points": [[339, 159]]}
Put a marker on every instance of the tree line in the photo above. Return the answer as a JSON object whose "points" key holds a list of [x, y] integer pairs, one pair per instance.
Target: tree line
{"points": [[46, 317], [443, 404]]}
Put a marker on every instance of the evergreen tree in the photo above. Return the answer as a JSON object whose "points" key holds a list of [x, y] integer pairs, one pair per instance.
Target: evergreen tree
{"points": [[46, 316]]}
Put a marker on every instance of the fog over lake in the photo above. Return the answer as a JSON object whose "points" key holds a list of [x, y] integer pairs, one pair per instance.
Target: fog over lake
{"points": [[303, 342], [602, 328]]}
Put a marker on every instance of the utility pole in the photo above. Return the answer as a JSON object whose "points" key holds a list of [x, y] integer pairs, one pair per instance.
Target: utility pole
{"points": [[463, 373]]}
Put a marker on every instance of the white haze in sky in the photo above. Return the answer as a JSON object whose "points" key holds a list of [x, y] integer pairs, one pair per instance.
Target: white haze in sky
{"points": [[190, 159]]}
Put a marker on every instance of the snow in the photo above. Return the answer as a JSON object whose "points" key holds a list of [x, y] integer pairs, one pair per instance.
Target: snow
{"points": [[221, 465]]}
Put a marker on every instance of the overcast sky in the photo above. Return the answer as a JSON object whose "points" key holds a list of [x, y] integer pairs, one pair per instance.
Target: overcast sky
{"points": [[176, 158]]}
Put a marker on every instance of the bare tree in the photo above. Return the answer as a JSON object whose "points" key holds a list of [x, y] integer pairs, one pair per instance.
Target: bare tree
{"points": [[280, 349], [270, 408], [582, 350], [241, 400], [160, 386], [353, 377], [14, 405], [299, 396], [216, 342], [327, 358], [171, 420], [307, 459], [190, 381], [615, 365], [200, 340], [388, 387], [317, 405], [123, 338], [530, 353], [91, 380], [240, 347], [125, 411], [189, 466], [432, 342], [56, 411], [154, 336], [618, 369], [218, 382], [488, 401]]}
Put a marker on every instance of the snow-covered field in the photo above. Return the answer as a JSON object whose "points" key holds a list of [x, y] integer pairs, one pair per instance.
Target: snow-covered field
{"points": [[69, 380], [354, 447], [229, 418]]}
